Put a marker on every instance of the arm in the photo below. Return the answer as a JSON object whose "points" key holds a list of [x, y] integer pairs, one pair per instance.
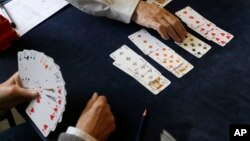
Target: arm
{"points": [[120, 10], [142, 13]]}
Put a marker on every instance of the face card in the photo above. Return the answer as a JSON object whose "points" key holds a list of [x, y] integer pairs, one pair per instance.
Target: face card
{"points": [[144, 41], [192, 18], [159, 84], [183, 69], [195, 46]]}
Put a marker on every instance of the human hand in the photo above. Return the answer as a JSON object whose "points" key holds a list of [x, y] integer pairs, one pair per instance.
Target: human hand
{"points": [[96, 119], [12, 94], [159, 19]]}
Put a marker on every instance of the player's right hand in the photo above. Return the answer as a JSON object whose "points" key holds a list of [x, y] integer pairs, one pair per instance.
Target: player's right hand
{"points": [[97, 119], [159, 19]]}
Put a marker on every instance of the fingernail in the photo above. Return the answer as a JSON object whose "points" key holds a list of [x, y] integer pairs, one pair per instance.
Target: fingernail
{"points": [[95, 94], [33, 92]]}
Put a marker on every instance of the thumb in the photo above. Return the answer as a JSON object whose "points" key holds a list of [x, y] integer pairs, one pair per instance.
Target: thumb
{"points": [[27, 94]]}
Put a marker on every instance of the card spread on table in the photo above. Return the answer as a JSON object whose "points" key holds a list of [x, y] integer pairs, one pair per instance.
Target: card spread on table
{"points": [[39, 72], [137, 67], [161, 53], [159, 3], [204, 27], [194, 45]]}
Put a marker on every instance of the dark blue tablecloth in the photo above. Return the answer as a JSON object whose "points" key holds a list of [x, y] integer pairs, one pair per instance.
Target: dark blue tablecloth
{"points": [[198, 107]]}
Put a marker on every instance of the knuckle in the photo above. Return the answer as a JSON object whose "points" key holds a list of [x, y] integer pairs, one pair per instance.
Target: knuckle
{"points": [[12, 89]]}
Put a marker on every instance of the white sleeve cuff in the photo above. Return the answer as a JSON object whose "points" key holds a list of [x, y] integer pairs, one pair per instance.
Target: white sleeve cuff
{"points": [[79, 133], [123, 10]]}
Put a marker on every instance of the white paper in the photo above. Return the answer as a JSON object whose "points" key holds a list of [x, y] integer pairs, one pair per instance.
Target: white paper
{"points": [[27, 14]]}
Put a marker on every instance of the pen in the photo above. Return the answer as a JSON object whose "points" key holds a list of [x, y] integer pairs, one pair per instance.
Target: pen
{"points": [[7, 14], [141, 125]]}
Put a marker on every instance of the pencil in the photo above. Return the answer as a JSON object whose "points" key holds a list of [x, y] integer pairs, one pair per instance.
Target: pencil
{"points": [[138, 135]]}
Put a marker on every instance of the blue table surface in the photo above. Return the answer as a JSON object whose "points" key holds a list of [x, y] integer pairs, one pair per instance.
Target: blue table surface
{"points": [[198, 107]]}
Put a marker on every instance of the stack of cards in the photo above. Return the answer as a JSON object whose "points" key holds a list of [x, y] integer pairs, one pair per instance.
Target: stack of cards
{"points": [[161, 53], [137, 67], [165, 136], [159, 3], [204, 27], [39, 72]]}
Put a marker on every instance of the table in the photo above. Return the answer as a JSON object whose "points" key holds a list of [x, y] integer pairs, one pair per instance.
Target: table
{"points": [[198, 107]]}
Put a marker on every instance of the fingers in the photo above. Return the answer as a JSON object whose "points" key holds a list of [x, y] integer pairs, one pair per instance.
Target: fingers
{"points": [[93, 99], [24, 93], [177, 26]]}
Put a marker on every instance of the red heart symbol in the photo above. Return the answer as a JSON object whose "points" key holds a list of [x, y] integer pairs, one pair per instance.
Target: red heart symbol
{"points": [[228, 37], [32, 110], [213, 34], [52, 117], [223, 34], [45, 126], [55, 109], [59, 91], [38, 100], [217, 39], [60, 102], [208, 25], [191, 17], [202, 29], [197, 22], [223, 42]]}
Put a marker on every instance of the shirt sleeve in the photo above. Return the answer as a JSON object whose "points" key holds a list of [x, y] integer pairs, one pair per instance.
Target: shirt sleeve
{"points": [[75, 134], [121, 10]]}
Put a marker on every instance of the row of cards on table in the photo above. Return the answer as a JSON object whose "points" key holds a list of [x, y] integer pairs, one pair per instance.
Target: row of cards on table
{"points": [[137, 67]]}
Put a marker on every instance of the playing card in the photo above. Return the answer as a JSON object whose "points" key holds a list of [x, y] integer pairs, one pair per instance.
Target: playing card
{"points": [[183, 69], [165, 136], [194, 45], [161, 54], [127, 58], [144, 73], [192, 18], [204, 29], [150, 76], [41, 113], [140, 72], [220, 36], [159, 3], [144, 41]]}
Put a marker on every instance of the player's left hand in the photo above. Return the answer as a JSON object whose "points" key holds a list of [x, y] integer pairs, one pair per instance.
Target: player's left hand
{"points": [[12, 94], [159, 19]]}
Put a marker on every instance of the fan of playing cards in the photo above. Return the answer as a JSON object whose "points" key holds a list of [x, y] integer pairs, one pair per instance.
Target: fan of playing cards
{"points": [[38, 71]]}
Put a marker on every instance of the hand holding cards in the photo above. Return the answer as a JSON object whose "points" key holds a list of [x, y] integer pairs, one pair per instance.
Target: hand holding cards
{"points": [[39, 72]]}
